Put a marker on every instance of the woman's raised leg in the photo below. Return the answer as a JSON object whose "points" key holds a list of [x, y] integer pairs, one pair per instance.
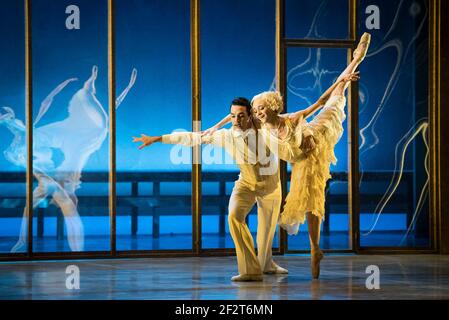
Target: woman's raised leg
{"points": [[358, 56]]}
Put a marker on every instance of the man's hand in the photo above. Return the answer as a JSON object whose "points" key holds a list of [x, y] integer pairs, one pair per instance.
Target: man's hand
{"points": [[308, 144], [146, 140]]}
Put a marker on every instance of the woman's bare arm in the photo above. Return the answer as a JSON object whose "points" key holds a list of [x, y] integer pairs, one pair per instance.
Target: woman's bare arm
{"points": [[305, 113], [217, 126]]}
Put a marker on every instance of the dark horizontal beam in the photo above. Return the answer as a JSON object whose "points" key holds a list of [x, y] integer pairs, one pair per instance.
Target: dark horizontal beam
{"points": [[324, 250], [143, 176], [395, 250], [185, 176], [317, 43]]}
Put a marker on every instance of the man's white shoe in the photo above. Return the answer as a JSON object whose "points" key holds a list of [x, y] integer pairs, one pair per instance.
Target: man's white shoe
{"points": [[247, 277], [277, 270]]}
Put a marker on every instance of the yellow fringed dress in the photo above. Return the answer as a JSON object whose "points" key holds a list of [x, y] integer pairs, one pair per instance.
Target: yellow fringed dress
{"points": [[309, 173]]}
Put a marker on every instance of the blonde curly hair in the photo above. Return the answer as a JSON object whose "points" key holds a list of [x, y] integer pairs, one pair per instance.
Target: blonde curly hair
{"points": [[271, 99]]}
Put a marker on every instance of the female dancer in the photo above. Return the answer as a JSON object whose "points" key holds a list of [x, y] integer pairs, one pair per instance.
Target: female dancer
{"points": [[310, 169], [310, 162]]}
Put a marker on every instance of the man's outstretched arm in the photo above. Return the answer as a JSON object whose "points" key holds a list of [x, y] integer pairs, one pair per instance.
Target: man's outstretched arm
{"points": [[189, 139], [147, 140]]}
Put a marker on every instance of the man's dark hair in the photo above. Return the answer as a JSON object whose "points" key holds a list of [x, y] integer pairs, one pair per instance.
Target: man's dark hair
{"points": [[243, 102]]}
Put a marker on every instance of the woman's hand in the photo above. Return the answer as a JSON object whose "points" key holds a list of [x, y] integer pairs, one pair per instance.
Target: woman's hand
{"points": [[146, 140], [351, 77], [220, 124], [308, 144], [209, 131]]}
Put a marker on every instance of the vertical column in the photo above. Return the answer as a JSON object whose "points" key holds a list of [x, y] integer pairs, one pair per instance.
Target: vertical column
{"points": [[443, 63], [196, 122], [353, 19], [280, 48], [439, 134], [135, 209], [281, 86], [353, 130], [29, 124], [112, 123]]}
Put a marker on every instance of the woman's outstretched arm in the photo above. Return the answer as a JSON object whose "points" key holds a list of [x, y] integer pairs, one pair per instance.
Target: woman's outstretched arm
{"points": [[326, 95], [217, 126], [305, 113]]}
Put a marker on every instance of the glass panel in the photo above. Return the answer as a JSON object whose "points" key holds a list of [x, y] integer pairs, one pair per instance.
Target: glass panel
{"points": [[237, 39], [394, 209], [312, 19], [70, 126], [310, 72], [12, 126], [154, 206]]}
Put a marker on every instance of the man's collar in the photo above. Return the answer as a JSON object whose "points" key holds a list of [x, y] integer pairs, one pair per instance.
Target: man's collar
{"points": [[236, 133]]}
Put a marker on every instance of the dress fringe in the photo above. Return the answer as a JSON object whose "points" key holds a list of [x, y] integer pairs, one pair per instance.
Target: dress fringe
{"points": [[310, 175]]}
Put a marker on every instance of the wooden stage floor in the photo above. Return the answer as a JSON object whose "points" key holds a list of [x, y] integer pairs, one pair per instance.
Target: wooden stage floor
{"points": [[342, 277]]}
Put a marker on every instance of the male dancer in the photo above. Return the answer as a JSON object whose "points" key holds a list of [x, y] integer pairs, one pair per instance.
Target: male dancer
{"points": [[257, 183]]}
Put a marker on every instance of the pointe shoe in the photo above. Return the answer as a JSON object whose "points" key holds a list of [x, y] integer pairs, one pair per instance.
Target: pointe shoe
{"points": [[362, 47], [276, 270], [315, 264], [247, 277]]}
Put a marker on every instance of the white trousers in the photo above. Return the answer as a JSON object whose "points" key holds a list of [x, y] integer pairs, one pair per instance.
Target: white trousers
{"points": [[268, 207]]}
